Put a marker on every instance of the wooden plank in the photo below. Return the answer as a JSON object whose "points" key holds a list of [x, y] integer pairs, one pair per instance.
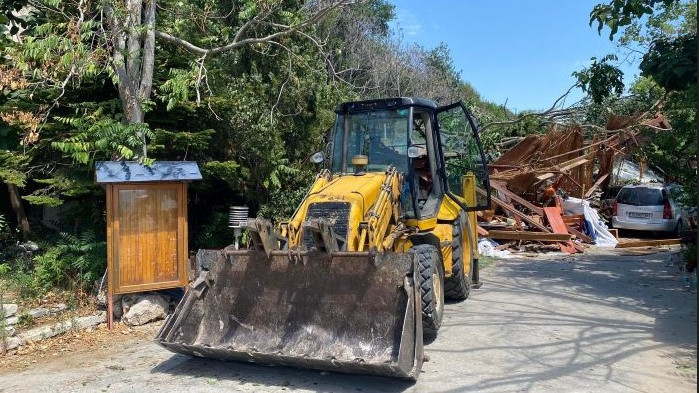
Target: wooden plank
{"points": [[573, 219], [516, 212], [501, 188], [531, 236], [648, 243], [110, 257], [481, 231], [614, 232], [553, 215], [580, 235], [564, 166], [599, 181]]}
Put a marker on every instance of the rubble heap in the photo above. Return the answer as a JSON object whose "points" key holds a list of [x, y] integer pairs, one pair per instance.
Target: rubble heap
{"points": [[543, 184]]}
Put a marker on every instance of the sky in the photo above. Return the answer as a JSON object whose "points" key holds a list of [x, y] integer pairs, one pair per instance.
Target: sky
{"points": [[521, 53]]}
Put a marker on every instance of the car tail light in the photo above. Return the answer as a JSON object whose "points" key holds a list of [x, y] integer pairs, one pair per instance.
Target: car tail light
{"points": [[667, 211], [614, 207]]}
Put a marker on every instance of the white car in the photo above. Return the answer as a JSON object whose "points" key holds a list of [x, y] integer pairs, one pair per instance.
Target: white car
{"points": [[649, 207]]}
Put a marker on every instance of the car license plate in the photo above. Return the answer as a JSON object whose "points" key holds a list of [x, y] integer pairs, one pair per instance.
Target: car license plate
{"points": [[639, 215]]}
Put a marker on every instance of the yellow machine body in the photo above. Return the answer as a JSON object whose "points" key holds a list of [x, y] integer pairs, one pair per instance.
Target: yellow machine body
{"points": [[337, 286]]}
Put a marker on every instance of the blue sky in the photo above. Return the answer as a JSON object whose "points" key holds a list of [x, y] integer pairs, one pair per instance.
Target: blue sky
{"points": [[519, 52]]}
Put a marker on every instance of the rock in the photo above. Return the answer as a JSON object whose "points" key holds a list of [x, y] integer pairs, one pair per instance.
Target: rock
{"points": [[91, 321], [41, 332], [117, 307], [11, 321], [29, 246], [9, 309], [58, 308], [10, 330], [102, 298], [13, 342], [39, 312], [143, 308]]}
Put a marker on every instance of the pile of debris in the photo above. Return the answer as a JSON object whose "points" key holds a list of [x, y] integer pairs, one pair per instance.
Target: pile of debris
{"points": [[546, 187]]}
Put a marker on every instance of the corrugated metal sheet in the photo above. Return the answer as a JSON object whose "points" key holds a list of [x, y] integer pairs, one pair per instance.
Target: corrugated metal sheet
{"points": [[131, 171]]}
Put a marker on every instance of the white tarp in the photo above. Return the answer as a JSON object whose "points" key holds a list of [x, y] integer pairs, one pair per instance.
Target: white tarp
{"points": [[601, 235], [486, 247]]}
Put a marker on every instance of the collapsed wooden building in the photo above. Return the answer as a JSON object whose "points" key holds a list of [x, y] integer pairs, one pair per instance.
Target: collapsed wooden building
{"points": [[533, 179]]}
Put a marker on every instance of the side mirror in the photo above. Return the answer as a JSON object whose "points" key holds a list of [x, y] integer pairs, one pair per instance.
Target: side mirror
{"points": [[413, 152], [317, 157]]}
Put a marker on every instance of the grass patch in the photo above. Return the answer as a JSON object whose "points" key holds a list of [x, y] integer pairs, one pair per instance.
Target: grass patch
{"points": [[485, 261]]}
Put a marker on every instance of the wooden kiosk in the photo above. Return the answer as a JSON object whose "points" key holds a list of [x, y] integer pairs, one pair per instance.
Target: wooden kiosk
{"points": [[146, 225]]}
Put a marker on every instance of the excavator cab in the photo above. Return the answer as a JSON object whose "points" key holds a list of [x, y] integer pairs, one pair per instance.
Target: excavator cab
{"points": [[433, 147], [357, 277]]}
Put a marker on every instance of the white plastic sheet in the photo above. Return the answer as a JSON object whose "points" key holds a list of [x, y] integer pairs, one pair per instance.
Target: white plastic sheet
{"points": [[603, 238], [486, 247]]}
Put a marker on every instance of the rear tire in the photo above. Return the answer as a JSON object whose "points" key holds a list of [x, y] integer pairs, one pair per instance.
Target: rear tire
{"points": [[458, 286], [431, 280]]}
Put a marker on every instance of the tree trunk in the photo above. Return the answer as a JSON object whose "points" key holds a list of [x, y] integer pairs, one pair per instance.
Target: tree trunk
{"points": [[133, 56], [17, 206]]}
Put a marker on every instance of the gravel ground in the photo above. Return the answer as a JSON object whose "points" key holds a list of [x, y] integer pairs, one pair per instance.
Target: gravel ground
{"points": [[605, 321]]}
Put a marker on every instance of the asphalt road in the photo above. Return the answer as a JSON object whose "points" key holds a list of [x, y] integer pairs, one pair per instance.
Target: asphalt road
{"points": [[600, 322]]}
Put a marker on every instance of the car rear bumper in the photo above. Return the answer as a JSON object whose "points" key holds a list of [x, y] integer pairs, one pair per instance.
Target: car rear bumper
{"points": [[656, 225]]}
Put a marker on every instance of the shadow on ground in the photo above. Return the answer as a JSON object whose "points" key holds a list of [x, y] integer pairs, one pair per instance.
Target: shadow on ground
{"points": [[283, 378], [575, 323], [592, 319]]}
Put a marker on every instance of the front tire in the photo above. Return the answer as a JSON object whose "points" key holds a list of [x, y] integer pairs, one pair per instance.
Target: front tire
{"points": [[431, 280], [458, 286]]}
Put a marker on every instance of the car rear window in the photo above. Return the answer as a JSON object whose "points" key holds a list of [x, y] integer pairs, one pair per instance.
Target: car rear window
{"points": [[641, 196]]}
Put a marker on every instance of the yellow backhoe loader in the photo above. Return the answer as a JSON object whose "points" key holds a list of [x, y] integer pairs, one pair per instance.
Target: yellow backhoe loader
{"points": [[358, 276]]}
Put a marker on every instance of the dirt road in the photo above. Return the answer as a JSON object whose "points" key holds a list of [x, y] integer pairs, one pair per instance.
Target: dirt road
{"points": [[599, 322]]}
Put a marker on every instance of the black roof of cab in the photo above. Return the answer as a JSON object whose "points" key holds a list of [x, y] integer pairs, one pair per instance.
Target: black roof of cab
{"points": [[384, 103]]}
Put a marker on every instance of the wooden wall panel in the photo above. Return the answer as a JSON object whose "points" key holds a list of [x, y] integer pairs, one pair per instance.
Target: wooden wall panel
{"points": [[148, 228]]}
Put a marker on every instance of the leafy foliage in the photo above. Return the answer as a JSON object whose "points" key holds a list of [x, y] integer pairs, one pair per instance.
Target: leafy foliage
{"points": [[100, 134], [620, 13], [76, 261], [672, 62], [601, 79], [665, 30], [73, 262], [249, 117]]}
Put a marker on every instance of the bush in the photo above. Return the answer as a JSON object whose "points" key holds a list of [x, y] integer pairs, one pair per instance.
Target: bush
{"points": [[27, 286], [75, 262], [7, 239], [215, 233], [72, 262]]}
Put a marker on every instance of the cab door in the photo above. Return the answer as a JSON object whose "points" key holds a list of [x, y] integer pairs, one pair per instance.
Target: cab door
{"points": [[461, 154]]}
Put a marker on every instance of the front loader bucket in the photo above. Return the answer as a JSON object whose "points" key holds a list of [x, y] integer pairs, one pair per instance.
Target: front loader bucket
{"points": [[353, 312]]}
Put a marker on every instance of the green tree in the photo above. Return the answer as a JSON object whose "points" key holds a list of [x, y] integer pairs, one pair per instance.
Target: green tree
{"points": [[664, 33]]}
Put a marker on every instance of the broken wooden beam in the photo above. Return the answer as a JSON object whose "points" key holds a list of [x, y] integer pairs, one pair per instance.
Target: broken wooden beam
{"points": [[553, 215], [614, 232], [525, 203], [648, 243], [563, 167], [481, 231], [516, 212], [579, 235], [573, 219], [529, 236], [592, 189]]}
